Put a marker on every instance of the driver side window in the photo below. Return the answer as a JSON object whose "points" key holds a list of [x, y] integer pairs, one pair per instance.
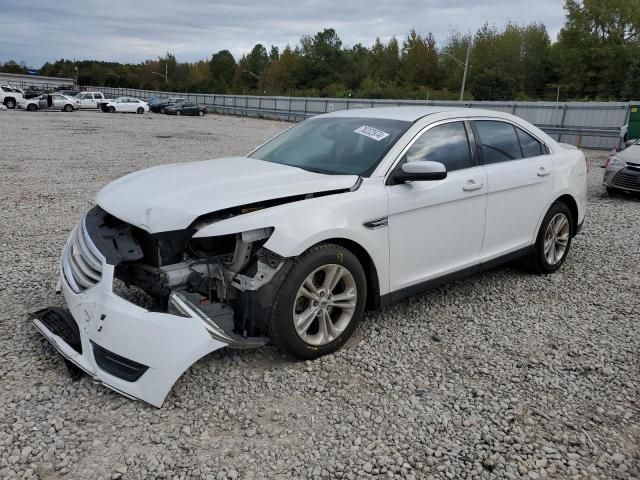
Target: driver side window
{"points": [[447, 143]]}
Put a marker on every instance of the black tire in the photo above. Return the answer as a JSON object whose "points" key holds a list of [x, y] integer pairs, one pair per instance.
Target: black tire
{"points": [[612, 191], [200, 113], [178, 112], [68, 108], [112, 109], [537, 261], [32, 107], [140, 110], [162, 110], [10, 103], [281, 324]]}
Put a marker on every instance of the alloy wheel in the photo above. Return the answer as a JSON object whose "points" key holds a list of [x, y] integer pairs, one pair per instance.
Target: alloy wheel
{"points": [[556, 238], [325, 304]]}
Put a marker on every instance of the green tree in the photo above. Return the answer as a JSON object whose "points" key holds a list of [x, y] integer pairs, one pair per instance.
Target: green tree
{"points": [[222, 67]]}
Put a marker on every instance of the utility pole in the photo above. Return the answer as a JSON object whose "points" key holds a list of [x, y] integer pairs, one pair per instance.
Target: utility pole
{"points": [[466, 68], [464, 65]]}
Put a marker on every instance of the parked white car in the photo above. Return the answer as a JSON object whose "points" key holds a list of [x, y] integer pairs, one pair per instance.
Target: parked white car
{"points": [[54, 101], [10, 96], [290, 244], [127, 104], [90, 99]]}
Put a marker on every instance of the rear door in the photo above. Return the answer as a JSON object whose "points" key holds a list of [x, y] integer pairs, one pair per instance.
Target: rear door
{"points": [[520, 179]]}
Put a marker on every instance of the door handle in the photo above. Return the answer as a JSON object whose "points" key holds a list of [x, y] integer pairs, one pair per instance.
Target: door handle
{"points": [[543, 172], [472, 185]]}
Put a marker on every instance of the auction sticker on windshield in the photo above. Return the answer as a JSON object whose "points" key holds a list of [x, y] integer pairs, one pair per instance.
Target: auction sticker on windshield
{"points": [[371, 132]]}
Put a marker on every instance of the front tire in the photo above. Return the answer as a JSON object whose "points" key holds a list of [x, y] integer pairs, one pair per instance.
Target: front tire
{"points": [[611, 191], [112, 109], [320, 302], [140, 110], [200, 113], [10, 103], [68, 108], [554, 240], [178, 113], [32, 107]]}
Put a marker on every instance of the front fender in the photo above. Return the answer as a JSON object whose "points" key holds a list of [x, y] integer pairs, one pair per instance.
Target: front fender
{"points": [[300, 225]]}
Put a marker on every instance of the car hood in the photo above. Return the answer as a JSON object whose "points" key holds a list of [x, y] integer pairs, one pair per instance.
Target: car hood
{"points": [[172, 197], [630, 154]]}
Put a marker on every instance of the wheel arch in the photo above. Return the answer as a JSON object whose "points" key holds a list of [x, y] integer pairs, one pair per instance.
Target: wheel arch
{"points": [[365, 259], [571, 203]]}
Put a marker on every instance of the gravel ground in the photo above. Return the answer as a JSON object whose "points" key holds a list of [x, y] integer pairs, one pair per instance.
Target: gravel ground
{"points": [[503, 375]]}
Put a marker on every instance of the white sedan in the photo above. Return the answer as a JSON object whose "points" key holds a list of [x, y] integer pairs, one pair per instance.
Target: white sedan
{"points": [[291, 244], [52, 101], [127, 104]]}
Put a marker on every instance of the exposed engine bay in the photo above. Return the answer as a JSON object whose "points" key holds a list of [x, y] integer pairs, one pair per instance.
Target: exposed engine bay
{"points": [[214, 278]]}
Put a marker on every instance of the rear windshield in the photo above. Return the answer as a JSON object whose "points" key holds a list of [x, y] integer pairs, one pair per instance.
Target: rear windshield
{"points": [[334, 145]]}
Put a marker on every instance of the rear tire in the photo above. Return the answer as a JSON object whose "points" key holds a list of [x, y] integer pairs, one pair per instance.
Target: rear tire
{"points": [[112, 109], [68, 108], [309, 297], [554, 240], [32, 107], [10, 103], [140, 110]]}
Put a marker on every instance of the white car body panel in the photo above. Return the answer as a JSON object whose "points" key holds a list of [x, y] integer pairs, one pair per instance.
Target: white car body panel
{"points": [[90, 99], [435, 228], [127, 107], [300, 225], [171, 197], [509, 226], [167, 344], [413, 232]]}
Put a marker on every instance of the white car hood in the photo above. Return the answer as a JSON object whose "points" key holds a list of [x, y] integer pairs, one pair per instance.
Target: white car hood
{"points": [[171, 197]]}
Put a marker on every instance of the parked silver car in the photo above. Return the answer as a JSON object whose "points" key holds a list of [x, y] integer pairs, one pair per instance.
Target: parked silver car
{"points": [[53, 101], [622, 170]]}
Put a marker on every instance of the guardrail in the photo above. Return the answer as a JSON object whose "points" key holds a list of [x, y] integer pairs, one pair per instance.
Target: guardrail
{"points": [[597, 125]]}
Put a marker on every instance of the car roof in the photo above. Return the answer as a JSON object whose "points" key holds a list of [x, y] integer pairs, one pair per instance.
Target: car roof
{"points": [[413, 113]]}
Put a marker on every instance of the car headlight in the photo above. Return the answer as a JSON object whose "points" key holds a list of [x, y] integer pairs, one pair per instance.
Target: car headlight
{"points": [[616, 162]]}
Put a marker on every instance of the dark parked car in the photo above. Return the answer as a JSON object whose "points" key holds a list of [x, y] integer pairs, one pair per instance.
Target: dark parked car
{"points": [[185, 108], [33, 92], [160, 105]]}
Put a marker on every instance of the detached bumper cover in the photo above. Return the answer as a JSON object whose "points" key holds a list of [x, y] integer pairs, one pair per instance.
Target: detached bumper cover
{"points": [[136, 352]]}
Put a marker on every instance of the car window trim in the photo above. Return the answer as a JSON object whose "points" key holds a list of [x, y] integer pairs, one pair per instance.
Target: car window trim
{"points": [[389, 175]]}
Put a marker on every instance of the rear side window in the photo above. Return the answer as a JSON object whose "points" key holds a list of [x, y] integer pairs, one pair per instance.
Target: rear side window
{"points": [[498, 141], [530, 146], [447, 144]]}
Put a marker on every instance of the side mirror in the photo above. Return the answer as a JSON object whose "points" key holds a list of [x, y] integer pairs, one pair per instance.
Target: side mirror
{"points": [[420, 171]]}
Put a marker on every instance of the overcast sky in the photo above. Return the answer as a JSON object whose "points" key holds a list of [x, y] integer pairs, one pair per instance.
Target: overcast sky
{"points": [[36, 31]]}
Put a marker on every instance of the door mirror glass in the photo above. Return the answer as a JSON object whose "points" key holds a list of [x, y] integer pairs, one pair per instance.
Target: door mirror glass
{"points": [[420, 171]]}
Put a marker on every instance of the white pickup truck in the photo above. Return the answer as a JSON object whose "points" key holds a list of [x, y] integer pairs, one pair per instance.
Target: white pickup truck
{"points": [[90, 99], [10, 96]]}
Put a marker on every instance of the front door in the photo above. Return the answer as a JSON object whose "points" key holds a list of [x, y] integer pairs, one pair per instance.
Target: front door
{"points": [[437, 227]]}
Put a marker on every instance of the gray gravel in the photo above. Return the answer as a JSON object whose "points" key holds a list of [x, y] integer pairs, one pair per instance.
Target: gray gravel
{"points": [[503, 375]]}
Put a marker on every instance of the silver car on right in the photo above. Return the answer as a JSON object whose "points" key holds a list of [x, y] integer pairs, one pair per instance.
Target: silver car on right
{"points": [[622, 170]]}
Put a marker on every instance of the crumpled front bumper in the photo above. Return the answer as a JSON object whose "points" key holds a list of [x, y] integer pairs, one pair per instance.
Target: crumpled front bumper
{"points": [[166, 344]]}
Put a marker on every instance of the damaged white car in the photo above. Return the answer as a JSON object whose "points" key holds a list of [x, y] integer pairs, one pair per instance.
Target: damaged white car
{"points": [[341, 213]]}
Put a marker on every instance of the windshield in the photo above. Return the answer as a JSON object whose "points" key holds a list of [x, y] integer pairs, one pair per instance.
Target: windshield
{"points": [[334, 145]]}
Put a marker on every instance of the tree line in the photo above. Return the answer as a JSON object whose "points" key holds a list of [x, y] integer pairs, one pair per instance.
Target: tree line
{"points": [[595, 57]]}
